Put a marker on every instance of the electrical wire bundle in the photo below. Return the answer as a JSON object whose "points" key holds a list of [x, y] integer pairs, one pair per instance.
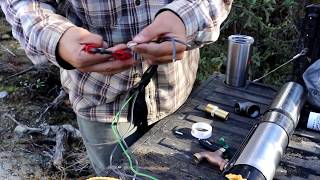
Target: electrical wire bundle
{"points": [[132, 96]]}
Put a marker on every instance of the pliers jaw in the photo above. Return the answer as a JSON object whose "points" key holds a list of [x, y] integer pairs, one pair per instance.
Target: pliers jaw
{"points": [[122, 54]]}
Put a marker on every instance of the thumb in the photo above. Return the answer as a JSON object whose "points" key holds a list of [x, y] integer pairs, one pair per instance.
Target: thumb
{"points": [[149, 33]]}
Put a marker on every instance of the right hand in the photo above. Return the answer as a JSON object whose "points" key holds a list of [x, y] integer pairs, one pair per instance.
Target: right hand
{"points": [[71, 49]]}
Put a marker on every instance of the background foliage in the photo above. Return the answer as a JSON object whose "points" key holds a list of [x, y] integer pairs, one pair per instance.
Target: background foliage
{"points": [[273, 24]]}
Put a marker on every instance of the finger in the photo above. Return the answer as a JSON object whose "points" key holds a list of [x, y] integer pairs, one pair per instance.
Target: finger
{"points": [[85, 59], [162, 49], [110, 71], [91, 38], [162, 60], [170, 57], [105, 45], [152, 31], [110, 66], [118, 47], [158, 62]]}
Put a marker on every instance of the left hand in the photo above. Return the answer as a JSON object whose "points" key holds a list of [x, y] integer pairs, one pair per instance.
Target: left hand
{"points": [[166, 24]]}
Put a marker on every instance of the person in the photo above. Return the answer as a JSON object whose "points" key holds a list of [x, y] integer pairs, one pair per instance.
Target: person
{"points": [[57, 32]]}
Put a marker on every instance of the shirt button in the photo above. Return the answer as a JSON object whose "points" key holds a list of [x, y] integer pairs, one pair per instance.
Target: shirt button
{"points": [[137, 2]]}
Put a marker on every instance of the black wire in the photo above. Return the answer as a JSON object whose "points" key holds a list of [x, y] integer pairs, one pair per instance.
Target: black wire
{"points": [[145, 79]]}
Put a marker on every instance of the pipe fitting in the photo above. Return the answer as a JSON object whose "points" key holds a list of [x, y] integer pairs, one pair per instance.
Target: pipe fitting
{"points": [[248, 109], [216, 111], [215, 158]]}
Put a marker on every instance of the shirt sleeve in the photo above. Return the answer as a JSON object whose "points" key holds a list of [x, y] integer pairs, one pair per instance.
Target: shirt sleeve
{"points": [[202, 18], [37, 27]]}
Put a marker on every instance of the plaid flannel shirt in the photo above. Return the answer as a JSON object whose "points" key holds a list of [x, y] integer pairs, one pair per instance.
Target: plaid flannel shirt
{"points": [[39, 24]]}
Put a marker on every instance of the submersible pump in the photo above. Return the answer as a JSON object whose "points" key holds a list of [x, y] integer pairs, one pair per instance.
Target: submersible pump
{"points": [[260, 153]]}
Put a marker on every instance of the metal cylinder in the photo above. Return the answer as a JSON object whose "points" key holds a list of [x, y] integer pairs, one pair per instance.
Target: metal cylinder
{"points": [[270, 139], [265, 149], [289, 101], [280, 119], [239, 52]]}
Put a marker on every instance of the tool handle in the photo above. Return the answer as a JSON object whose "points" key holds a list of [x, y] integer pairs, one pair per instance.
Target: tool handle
{"points": [[121, 54], [89, 48], [206, 144]]}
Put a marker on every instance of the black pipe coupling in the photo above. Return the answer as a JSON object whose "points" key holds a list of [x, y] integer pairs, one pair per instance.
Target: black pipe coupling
{"points": [[248, 109]]}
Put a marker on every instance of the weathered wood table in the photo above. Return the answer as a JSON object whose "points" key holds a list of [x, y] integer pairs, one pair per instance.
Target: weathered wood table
{"points": [[166, 155]]}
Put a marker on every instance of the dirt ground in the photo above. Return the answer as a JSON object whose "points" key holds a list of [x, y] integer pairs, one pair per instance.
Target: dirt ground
{"points": [[27, 95]]}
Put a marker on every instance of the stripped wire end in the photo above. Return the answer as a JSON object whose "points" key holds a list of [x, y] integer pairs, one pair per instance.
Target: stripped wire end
{"points": [[131, 44], [303, 52]]}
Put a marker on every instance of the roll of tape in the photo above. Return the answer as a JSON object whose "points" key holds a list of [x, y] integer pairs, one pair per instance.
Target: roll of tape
{"points": [[201, 130]]}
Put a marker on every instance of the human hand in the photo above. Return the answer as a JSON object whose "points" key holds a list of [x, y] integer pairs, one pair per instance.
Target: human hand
{"points": [[72, 50], [166, 24]]}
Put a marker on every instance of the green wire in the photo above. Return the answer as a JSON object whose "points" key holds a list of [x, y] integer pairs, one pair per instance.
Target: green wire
{"points": [[119, 139]]}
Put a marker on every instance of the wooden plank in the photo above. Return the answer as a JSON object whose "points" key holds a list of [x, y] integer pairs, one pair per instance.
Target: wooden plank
{"points": [[311, 135], [289, 178], [225, 99], [174, 162], [248, 97], [310, 147], [310, 166]]}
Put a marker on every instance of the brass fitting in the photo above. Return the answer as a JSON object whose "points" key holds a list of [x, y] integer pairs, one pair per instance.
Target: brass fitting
{"points": [[216, 111], [215, 158]]}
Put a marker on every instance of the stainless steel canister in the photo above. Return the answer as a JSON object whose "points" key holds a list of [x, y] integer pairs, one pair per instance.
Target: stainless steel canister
{"points": [[264, 149], [269, 141], [289, 100], [239, 52]]}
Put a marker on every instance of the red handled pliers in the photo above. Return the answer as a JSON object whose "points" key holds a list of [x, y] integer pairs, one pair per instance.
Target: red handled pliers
{"points": [[122, 54]]}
